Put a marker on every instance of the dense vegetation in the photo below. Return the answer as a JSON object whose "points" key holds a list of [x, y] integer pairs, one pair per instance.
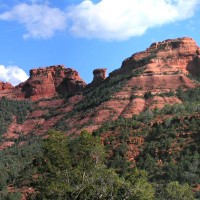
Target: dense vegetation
{"points": [[75, 169], [16, 167], [171, 148], [11, 109], [165, 162], [64, 168]]}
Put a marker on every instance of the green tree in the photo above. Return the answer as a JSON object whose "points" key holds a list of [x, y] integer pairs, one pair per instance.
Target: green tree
{"points": [[54, 167], [66, 167], [175, 191], [76, 170], [138, 186], [86, 151]]}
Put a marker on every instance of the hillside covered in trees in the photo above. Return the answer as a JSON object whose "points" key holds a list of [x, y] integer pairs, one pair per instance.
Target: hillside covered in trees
{"points": [[134, 135], [154, 155]]}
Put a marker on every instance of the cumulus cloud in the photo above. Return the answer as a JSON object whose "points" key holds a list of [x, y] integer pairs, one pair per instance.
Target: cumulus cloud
{"points": [[12, 74], [41, 21], [102, 19], [122, 19]]}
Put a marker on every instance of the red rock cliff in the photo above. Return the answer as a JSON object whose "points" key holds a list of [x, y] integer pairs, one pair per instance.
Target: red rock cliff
{"points": [[48, 81], [164, 67], [182, 53]]}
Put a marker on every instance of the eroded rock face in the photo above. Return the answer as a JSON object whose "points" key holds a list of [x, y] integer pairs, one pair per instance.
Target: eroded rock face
{"points": [[164, 67], [49, 81], [45, 82], [5, 86], [99, 75], [161, 68], [181, 52]]}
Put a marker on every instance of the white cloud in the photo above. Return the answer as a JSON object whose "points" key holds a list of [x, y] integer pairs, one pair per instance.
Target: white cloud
{"points": [[41, 21], [102, 19], [12, 74], [122, 19]]}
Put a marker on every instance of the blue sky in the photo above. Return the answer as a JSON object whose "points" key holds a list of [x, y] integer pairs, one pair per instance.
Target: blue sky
{"points": [[87, 34]]}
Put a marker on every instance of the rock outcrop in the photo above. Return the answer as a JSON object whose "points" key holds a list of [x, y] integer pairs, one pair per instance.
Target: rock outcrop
{"points": [[6, 90], [48, 81], [45, 82], [164, 65], [161, 68], [5, 86], [99, 75], [182, 53]]}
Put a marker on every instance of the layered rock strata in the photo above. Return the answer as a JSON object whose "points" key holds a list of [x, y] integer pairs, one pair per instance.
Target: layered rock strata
{"points": [[46, 82]]}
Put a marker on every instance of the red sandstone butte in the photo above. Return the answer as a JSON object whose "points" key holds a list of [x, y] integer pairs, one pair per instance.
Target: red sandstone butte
{"points": [[49, 81]]}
